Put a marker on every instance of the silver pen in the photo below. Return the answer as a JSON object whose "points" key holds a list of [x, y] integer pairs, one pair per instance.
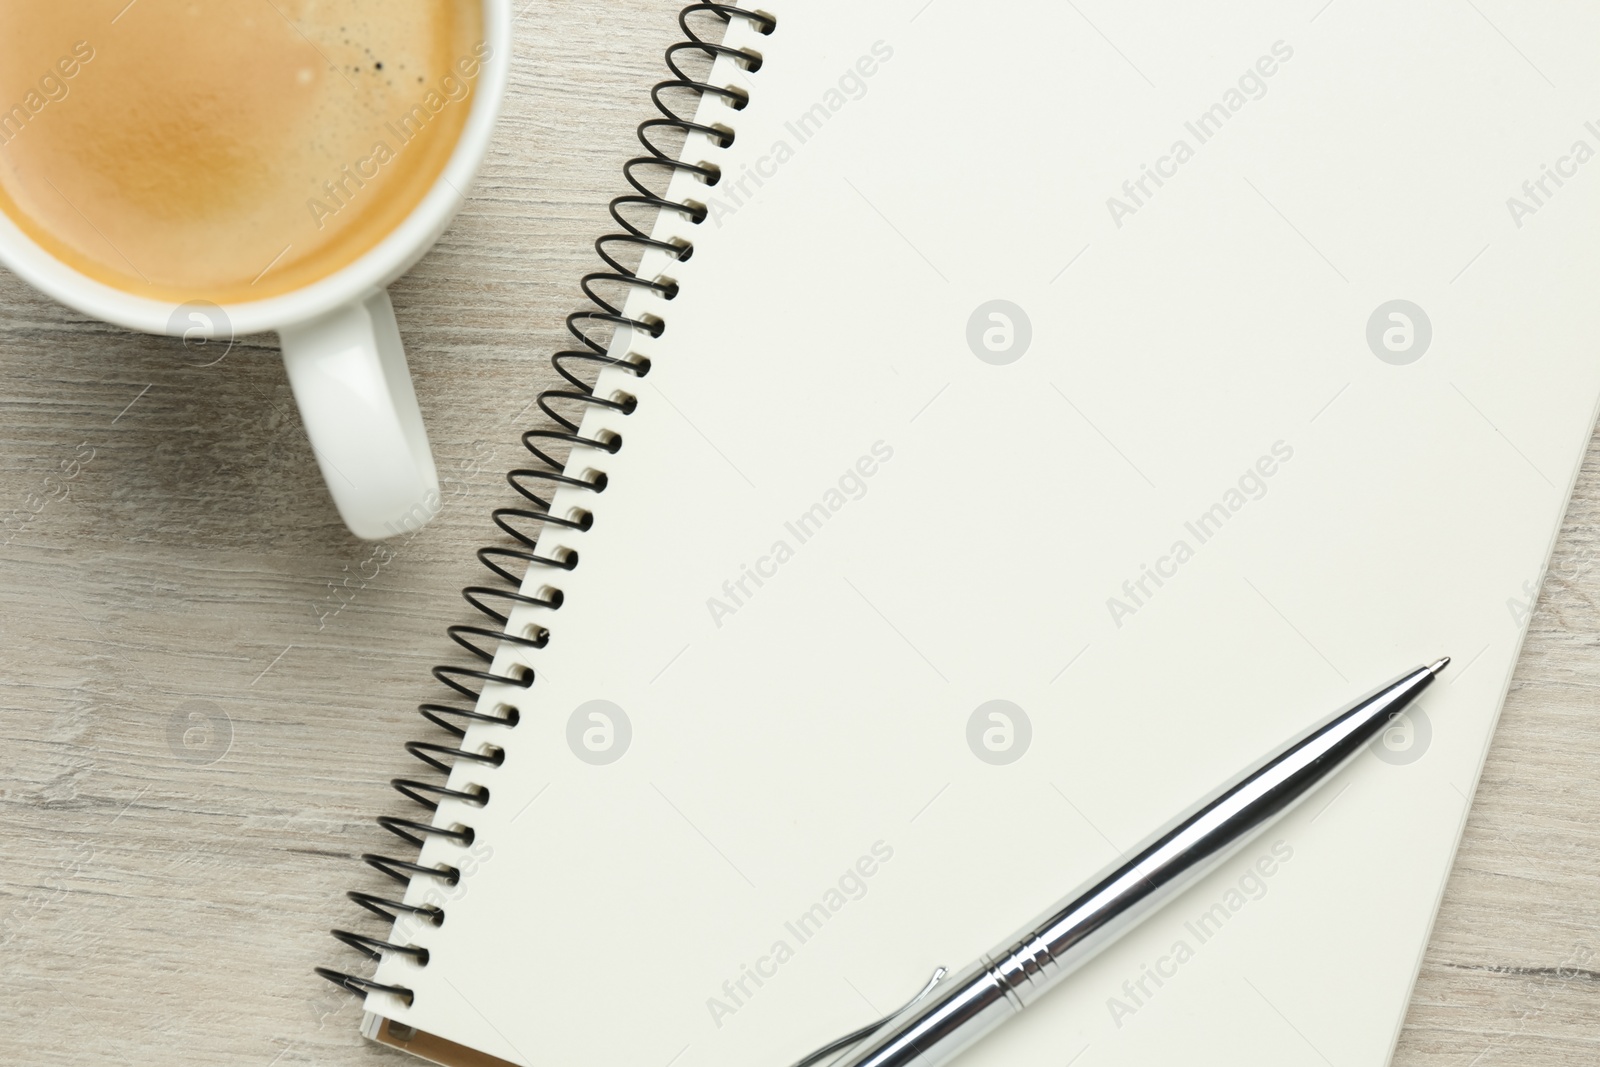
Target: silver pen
{"points": [[949, 1015]]}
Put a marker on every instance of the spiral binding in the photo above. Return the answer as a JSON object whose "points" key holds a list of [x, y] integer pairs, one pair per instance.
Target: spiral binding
{"points": [[523, 522]]}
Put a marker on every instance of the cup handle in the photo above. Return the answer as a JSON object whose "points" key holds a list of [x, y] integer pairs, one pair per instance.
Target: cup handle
{"points": [[349, 375]]}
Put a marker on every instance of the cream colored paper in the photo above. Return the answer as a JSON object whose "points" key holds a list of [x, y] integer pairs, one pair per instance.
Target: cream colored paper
{"points": [[1199, 348]]}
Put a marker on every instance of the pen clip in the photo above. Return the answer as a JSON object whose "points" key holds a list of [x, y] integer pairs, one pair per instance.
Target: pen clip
{"points": [[857, 1036]]}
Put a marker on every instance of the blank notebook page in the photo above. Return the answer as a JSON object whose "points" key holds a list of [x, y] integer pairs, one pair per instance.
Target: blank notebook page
{"points": [[1063, 405]]}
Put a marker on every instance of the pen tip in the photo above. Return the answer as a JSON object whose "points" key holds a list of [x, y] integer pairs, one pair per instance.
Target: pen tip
{"points": [[1438, 665]]}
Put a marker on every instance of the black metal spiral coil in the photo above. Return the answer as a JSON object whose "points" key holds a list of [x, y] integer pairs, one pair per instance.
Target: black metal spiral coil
{"points": [[523, 523]]}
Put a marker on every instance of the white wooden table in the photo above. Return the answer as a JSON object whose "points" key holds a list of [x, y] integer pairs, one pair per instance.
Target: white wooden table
{"points": [[162, 910]]}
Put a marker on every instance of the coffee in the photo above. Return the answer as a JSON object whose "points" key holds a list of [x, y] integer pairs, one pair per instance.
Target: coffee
{"points": [[227, 151]]}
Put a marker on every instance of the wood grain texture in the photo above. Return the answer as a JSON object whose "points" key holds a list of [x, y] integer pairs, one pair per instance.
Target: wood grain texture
{"points": [[155, 910]]}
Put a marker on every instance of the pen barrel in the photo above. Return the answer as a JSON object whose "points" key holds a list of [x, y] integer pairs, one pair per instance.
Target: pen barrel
{"points": [[1029, 963]]}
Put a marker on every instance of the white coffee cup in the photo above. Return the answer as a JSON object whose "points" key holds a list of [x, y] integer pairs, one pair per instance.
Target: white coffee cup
{"points": [[341, 344]]}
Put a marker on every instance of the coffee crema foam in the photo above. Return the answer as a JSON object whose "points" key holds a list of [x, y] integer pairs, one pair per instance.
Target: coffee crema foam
{"points": [[227, 150]]}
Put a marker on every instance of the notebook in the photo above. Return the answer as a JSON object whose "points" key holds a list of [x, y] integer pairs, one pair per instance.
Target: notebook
{"points": [[1061, 406]]}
